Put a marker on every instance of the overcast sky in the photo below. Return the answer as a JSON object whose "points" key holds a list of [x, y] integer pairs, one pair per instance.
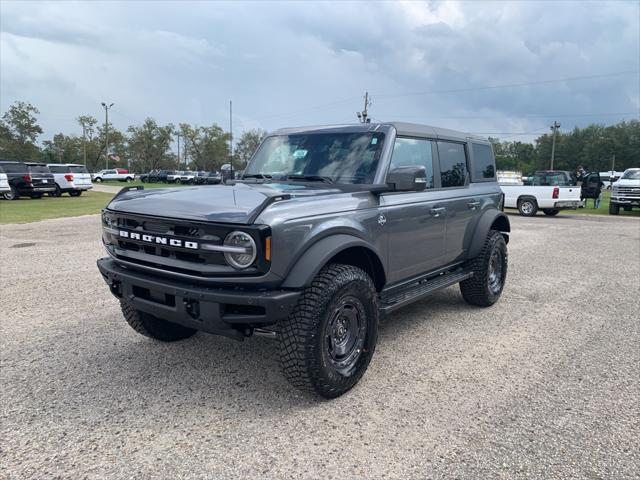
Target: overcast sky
{"points": [[295, 63]]}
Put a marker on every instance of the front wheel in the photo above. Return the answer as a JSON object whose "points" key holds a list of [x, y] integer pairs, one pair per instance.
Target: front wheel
{"points": [[153, 327], [489, 272], [128, 180], [550, 212], [614, 209], [97, 180], [327, 342]]}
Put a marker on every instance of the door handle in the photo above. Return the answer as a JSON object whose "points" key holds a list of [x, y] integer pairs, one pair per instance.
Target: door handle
{"points": [[436, 212], [473, 205]]}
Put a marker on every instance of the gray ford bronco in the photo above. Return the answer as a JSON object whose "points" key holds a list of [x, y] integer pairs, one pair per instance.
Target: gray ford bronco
{"points": [[328, 229]]}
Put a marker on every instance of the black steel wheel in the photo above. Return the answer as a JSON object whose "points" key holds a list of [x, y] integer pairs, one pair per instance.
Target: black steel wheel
{"points": [[489, 272], [327, 342]]}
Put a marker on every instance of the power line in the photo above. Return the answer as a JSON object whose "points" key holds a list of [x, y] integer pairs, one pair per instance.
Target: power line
{"points": [[508, 85]]}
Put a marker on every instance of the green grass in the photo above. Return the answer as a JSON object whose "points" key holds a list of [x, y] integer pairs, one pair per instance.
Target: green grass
{"points": [[28, 210]]}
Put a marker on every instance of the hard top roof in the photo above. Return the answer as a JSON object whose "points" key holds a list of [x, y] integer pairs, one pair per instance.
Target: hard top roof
{"points": [[402, 128]]}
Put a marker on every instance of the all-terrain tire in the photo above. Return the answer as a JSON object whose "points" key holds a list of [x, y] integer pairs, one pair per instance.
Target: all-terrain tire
{"points": [[480, 289], [153, 327], [307, 338], [528, 207], [551, 212], [614, 209]]}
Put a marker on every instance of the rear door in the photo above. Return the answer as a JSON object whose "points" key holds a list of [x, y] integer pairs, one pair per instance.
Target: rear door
{"points": [[41, 177], [81, 176], [414, 221], [461, 204]]}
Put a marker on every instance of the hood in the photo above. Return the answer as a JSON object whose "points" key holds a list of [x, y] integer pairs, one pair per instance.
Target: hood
{"points": [[627, 182], [240, 203]]}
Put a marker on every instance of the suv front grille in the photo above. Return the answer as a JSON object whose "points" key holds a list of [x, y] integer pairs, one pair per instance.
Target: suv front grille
{"points": [[175, 245]]}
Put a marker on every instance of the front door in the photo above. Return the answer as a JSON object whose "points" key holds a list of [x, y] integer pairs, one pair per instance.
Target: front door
{"points": [[591, 186], [414, 221]]}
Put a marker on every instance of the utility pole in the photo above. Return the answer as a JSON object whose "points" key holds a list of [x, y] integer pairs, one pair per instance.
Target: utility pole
{"points": [[554, 128], [231, 137], [84, 143], [178, 135], [106, 130], [364, 115]]}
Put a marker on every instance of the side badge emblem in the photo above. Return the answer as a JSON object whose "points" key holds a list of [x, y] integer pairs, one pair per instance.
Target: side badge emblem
{"points": [[382, 219]]}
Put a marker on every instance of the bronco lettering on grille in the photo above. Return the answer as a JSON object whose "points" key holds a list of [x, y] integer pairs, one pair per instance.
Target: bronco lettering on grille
{"points": [[174, 242]]}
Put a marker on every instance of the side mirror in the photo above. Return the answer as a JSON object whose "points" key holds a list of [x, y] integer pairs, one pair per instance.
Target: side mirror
{"points": [[407, 179]]}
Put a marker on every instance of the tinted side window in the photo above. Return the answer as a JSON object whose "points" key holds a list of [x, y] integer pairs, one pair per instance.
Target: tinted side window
{"points": [[78, 169], [14, 167], [411, 152], [483, 165], [453, 164]]}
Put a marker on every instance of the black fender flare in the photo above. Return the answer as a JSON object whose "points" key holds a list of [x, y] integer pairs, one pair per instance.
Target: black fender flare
{"points": [[317, 255], [482, 230]]}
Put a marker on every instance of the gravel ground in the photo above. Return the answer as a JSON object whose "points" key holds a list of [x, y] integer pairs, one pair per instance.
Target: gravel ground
{"points": [[542, 385]]}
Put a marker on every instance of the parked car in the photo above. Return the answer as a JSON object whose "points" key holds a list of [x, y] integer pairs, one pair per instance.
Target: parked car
{"points": [[160, 175], [546, 190], [71, 178], [4, 182], [27, 179], [328, 229], [625, 192], [186, 177], [207, 178], [112, 175]]}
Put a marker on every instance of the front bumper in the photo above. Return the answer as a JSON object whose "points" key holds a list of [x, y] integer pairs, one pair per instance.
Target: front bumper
{"points": [[213, 310], [633, 201]]}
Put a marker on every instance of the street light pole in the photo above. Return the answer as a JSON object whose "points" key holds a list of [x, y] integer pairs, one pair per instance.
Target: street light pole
{"points": [[106, 130]]}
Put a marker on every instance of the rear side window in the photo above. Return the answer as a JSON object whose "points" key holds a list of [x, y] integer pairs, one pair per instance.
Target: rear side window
{"points": [[78, 169], [483, 163], [59, 169], [453, 164], [412, 152], [14, 167]]}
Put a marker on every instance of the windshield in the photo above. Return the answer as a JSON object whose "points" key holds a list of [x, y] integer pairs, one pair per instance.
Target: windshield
{"points": [[336, 157], [631, 175]]}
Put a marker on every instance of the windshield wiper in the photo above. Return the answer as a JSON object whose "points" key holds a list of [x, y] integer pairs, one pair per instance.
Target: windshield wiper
{"points": [[309, 178], [255, 175]]}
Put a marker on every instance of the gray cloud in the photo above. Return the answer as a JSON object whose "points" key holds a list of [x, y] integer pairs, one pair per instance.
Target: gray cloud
{"points": [[304, 63]]}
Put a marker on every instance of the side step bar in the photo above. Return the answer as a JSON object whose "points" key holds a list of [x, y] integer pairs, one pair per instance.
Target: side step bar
{"points": [[409, 294]]}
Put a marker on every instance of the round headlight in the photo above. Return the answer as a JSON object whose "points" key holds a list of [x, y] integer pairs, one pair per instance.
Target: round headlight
{"points": [[245, 248]]}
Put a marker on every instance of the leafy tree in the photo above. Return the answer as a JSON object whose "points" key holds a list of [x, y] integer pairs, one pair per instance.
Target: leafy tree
{"points": [[207, 148], [19, 131], [149, 146], [247, 144]]}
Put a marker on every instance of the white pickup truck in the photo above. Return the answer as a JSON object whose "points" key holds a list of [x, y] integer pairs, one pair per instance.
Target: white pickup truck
{"points": [[107, 175], [549, 191]]}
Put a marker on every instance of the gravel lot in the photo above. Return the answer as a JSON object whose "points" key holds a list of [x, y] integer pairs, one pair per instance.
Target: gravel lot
{"points": [[542, 385]]}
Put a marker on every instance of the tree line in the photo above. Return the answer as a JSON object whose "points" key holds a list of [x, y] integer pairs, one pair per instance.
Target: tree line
{"points": [[140, 147], [149, 146], [593, 147]]}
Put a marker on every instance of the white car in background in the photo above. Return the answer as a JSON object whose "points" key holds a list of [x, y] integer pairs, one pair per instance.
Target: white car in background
{"points": [[70, 178], [107, 175], [546, 190], [4, 182]]}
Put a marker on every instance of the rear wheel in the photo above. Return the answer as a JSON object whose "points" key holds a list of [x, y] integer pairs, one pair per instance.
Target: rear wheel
{"points": [[128, 180], [327, 342], [153, 327], [75, 193], [11, 194], [489, 272], [97, 180], [36, 196], [550, 211], [527, 207], [614, 209], [57, 193]]}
